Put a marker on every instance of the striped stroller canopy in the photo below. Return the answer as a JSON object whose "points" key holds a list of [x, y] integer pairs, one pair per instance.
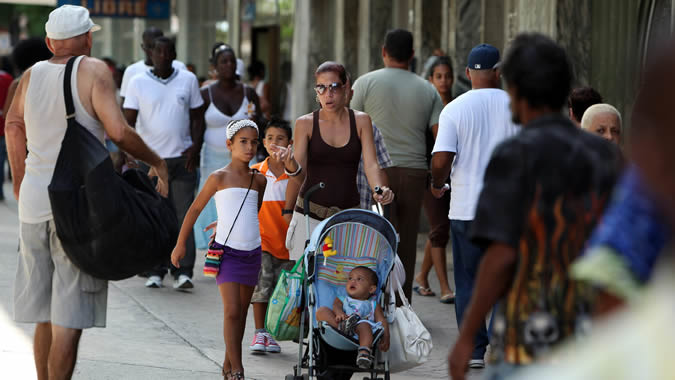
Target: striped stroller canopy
{"points": [[359, 238]]}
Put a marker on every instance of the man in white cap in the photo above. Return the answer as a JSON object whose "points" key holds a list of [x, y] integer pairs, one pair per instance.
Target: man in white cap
{"points": [[49, 289]]}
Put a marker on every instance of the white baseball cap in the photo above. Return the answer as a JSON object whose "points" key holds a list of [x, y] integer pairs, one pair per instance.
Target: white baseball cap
{"points": [[68, 21]]}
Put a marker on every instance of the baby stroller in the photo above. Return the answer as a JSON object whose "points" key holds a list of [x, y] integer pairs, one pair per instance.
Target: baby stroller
{"points": [[359, 238]]}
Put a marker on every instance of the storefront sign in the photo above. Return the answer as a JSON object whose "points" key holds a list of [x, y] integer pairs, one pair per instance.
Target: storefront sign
{"points": [[154, 9]]}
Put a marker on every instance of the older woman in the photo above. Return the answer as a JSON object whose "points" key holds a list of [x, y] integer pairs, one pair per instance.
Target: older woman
{"points": [[329, 143], [603, 120]]}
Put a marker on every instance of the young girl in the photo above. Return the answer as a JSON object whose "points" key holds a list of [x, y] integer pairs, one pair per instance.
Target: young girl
{"points": [[356, 312], [238, 192]]}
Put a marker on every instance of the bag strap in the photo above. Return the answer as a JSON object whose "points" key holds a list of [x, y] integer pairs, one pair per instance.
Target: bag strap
{"points": [[67, 89], [241, 207], [393, 289]]}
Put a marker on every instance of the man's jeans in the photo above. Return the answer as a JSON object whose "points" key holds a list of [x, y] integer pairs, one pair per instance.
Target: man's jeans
{"points": [[466, 259], [182, 185]]}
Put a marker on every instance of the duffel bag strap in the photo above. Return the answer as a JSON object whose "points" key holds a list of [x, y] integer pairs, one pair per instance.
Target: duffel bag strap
{"points": [[67, 89]]}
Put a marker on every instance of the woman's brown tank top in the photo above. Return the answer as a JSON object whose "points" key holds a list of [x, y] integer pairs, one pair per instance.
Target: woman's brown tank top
{"points": [[336, 167]]}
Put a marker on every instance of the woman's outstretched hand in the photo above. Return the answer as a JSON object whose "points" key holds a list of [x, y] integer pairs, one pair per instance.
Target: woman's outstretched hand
{"points": [[283, 154]]}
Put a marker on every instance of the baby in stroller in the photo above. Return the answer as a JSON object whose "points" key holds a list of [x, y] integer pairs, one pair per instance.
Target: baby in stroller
{"points": [[356, 313]]}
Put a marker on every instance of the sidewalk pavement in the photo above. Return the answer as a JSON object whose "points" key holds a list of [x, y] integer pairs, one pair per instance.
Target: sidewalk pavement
{"points": [[167, 334]]}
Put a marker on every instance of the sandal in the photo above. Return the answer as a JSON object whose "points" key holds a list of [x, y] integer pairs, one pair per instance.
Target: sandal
{"points": [[447, 298], [236, 376], [424, 292], [364, 359], [226, 374]]}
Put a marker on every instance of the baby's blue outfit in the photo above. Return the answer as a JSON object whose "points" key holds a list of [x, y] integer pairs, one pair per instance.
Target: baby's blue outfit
{"points": [[365, 309]]}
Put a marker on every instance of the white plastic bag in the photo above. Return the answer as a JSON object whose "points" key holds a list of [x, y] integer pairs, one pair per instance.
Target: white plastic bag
{"points": [[410, 342]]}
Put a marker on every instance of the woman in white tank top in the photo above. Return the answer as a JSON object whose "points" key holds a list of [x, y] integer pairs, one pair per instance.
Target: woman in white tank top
{"points": [[227, 99]]}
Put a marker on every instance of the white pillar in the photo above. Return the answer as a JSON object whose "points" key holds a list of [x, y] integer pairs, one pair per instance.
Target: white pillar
{"points": [[301, 39], [339, 31], [197, 31], [364, 37]]}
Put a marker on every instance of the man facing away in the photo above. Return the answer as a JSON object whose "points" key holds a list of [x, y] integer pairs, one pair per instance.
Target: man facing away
{"points": [[49, 290], [168, 103], [403, 106], [469, 129], [543, 191]]}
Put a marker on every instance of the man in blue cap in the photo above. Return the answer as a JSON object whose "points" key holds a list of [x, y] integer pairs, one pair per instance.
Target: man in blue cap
{"points": [[469, 129]]}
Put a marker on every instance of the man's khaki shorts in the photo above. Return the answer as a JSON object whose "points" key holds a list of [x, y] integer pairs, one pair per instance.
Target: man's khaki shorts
{"points": [[50, 288], [270, 269]]}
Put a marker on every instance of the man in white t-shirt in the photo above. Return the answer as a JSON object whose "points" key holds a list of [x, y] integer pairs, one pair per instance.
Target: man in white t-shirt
{"points": [[169, 106], [144, 65], [469, 129]]}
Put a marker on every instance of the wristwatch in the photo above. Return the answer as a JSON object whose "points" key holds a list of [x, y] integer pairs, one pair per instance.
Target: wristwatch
{"points": [[286, 211], [433, 184]]}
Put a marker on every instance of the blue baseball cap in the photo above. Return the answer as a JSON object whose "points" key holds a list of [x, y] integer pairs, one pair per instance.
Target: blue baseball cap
{"points": [[483, 57]]}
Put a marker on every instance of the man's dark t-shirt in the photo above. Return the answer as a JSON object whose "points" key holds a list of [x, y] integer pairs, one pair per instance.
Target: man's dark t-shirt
{"points": [[543, 193]]}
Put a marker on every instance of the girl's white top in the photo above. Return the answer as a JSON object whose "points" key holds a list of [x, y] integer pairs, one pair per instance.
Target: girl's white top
{"points": [[245, 235]]}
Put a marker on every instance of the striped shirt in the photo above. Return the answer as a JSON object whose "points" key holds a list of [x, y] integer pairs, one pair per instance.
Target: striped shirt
{"points": [[383, 159], [273, 226]]}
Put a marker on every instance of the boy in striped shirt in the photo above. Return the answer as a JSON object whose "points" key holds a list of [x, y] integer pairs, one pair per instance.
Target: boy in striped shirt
{"points": [[273, 227]]}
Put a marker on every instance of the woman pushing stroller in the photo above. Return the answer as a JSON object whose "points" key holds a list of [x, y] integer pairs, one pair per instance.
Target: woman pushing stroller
{"points": [[356, 313]]}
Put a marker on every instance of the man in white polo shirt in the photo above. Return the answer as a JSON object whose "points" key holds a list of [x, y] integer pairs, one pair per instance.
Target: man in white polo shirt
{"points": [[168, 105], [469, 129], [146, 64]]}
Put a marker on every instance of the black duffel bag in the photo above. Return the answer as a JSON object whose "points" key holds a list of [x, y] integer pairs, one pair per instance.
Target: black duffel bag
{"points": [[111, 226]]}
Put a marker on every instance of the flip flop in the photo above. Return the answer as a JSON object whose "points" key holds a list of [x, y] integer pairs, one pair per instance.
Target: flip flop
{"points": [[447, 299], [424, 292]]}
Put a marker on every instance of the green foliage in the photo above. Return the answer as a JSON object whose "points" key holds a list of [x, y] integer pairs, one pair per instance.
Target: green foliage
{"points": [[36, 16]]}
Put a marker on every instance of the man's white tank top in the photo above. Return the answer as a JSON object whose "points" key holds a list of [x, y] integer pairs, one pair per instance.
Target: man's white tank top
{"points": [[245, 235], [45, 119]]}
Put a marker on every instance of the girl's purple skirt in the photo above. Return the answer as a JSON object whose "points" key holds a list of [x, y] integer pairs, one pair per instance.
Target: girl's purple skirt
{"points": [[238, 266]]}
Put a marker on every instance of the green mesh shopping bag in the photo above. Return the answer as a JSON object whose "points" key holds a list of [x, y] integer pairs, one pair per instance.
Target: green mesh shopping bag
{"points": [[284, 310]]}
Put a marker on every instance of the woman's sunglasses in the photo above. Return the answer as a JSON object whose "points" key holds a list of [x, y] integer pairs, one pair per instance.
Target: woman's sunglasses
{"points": [[333, 87]]}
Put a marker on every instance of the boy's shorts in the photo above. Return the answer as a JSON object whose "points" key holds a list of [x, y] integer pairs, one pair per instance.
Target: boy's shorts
{"points": [[270, 270]]}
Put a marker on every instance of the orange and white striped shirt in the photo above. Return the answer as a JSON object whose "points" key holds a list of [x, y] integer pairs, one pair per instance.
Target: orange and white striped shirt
{"points": [[273, 226]]}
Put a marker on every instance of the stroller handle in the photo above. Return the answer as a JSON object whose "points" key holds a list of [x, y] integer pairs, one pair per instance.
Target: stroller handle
{"points": [[309, 193]]}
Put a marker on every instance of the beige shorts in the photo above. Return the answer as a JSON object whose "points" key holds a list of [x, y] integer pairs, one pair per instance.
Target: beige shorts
{"points": [[50, 288], [297, 234]]}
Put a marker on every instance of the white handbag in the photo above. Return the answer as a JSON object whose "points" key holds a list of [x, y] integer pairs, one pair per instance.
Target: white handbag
{"points": [[410, 342]]}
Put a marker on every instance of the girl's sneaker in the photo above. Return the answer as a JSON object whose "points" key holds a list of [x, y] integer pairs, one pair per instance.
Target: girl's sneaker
{"points": [[258, 344], [271, 345]]}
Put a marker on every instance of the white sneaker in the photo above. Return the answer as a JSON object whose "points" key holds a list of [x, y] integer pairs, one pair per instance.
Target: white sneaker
{"points": [[154, 282], [258, 344], [476, 363], [183, 282]]}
